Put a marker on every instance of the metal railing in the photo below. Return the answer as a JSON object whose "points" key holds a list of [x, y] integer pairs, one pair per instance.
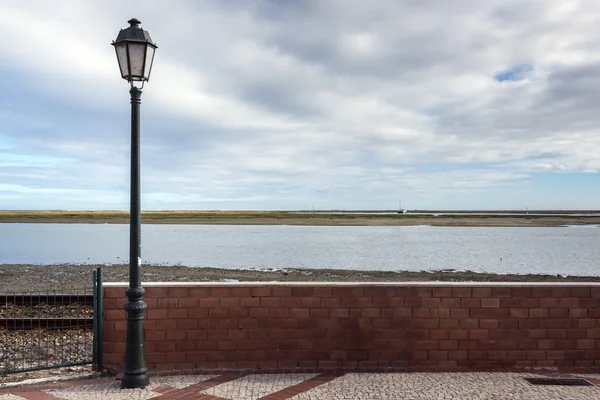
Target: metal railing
{"points": [[51, 329]]}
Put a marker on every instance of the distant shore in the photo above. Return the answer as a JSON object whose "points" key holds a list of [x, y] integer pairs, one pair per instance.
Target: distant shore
{"points": [[25, 278], [362, 218]]}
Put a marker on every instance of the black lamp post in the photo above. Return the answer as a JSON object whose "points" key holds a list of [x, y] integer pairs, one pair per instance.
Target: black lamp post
{"points": [[135, 53]]}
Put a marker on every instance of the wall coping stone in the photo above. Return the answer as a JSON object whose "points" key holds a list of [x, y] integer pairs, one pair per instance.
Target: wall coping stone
{"points": [[355, 284]]}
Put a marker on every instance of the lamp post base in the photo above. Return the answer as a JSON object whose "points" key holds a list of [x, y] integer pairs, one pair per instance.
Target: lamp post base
{"points": [[135, 381]]}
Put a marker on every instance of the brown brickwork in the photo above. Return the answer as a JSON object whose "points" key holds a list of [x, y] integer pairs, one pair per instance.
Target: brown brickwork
{"points": [[262, 326]]}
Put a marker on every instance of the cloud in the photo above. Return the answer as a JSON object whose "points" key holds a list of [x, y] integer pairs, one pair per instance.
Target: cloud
{"points": [[273, 105]]}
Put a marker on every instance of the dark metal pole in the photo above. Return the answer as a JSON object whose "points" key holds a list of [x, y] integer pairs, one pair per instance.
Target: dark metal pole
{"points": [[135, 373]]}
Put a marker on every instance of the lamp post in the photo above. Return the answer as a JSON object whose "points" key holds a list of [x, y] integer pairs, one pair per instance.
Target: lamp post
{"points": [[135, 53]]}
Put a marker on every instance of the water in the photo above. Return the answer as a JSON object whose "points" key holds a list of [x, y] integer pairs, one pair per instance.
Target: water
{"points": [[558, 250]]}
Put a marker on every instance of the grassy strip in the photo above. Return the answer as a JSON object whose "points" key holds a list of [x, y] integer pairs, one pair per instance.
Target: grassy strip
{"points": [[291, 218]]}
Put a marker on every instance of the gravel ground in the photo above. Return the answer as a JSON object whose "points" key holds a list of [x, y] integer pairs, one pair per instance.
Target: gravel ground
{"points": [[42, 310], [43, 348], [27, 278]]}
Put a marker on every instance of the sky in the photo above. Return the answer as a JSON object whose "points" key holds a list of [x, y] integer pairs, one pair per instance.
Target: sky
{"points": [[325, 104]]}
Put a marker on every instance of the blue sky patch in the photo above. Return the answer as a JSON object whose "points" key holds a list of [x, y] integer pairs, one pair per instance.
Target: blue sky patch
{"points": [[514, 74]]}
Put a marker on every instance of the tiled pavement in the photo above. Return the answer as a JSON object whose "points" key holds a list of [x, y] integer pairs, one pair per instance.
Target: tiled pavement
{"points": [[351, 386]]}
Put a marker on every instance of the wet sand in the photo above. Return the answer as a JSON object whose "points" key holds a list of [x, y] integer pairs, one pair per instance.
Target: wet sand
{"points": [[23, 278]]}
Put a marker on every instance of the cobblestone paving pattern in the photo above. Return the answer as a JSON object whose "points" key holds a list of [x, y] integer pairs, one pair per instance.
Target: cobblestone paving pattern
{"points": [[444, 386], [252, 387], [352, 386], [113, 391]]}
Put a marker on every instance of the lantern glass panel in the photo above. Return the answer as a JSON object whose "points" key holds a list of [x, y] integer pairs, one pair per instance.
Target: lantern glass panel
{"points": [[149, 60], [122, 58], [137, 54]]}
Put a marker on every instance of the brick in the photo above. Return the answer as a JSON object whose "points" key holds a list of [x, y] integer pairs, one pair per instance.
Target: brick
{"points": [[187, 324], [528, 324], [442, 292], [438, 355], [459, 313], [501, 292], [312, 302], [176, 335], [519, 313], [264, 291], [568, 302], [578, 313], [576, 333], [488, 323], [272, 301], [431, 302], [355, 302], [319, 313], [448, 345], [118, 292], [177, 313], [581, 292], [439, 334], [557, 333], [478, 334], [166, 324], [412, 301], [499, 313], [251, 302], [165, 347], [157, 314], [530, 303], [167, 303], [229, 302], [322, 291], [176, 292], [299, 313], [279, 312], [198, 313], [510, 302], [424, 292], [440, 312], [218, 313], [449, 323], [481, 292], [406, 292], [422, 313], [471, 302], [468, 323], [479, 313], [425, 323], [113, 315], [187, 303], [199, 292], [451, 302], [458, 334], [328, 302], [402, 312], [538, 313], [587, 323], [558, 312], [490, 303], [210, 302], [461, 292]]}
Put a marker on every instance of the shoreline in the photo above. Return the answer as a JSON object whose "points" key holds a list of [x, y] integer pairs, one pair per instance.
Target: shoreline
{"points": [[25, 278], [294, 218]]}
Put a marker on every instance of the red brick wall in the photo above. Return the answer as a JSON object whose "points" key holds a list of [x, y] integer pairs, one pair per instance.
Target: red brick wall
{"points": [[427, 326]]}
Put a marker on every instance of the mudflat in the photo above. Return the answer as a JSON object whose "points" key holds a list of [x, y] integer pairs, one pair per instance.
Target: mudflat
{"points": [[293, 218], [24, 278]]}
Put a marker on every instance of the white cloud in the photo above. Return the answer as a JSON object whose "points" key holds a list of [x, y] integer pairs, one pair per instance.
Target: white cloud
{"points": [[252, 100]]}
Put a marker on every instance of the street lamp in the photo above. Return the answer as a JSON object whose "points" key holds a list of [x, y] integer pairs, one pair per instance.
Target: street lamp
{"points": [[135, 53]]}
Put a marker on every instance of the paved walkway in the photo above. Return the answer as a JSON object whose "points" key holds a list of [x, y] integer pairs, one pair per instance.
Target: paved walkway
{"points": [[351, 386]]}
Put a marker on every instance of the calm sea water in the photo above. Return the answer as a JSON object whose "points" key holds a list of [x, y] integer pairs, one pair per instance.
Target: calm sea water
{"points": [[561, 250]]}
